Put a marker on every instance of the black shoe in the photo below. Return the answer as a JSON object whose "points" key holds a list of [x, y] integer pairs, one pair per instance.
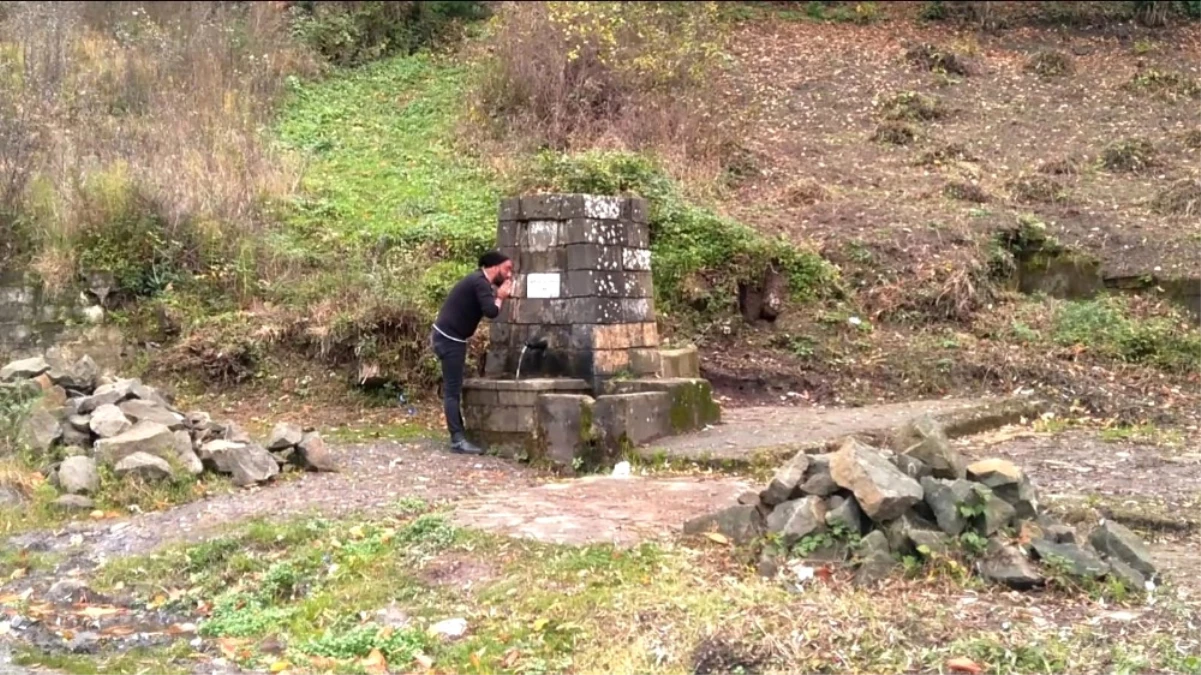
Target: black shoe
{"points": [[465, 447]]}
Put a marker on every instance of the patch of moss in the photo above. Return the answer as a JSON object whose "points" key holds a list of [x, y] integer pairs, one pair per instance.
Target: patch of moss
{"points": [[692, 406]]}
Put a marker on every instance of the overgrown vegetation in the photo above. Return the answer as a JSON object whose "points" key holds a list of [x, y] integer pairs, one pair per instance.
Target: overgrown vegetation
{"points": [[1129, 155], [353, 33], [1109, 326]]}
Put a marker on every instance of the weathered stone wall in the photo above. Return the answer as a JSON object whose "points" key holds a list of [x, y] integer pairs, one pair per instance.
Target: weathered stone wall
{"points": [[583, 281], [31, 320]]}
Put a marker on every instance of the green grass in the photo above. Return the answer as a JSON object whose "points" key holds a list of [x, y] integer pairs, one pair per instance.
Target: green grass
{"points": [[1107, 326]]}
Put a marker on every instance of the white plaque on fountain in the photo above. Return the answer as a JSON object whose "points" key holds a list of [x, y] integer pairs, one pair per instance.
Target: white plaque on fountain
{"points": [[542, 285]]}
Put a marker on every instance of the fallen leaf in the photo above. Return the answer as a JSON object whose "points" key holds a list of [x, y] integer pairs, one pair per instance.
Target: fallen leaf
{"points": [[540, 625], [119, 631], [356, 532], [323, 663], [181, 628], [375, 663], [510, 658], [718, 537], [280, 666], [98, 612], [96, 515], [19, 572], [158, 601], [962, 665], [229, 647], [425, 661]]}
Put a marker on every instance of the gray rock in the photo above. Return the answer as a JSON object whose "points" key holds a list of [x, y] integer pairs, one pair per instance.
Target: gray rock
{"points": [[786, 480], [314, 456], [74, 503], [247, 463], [1081, 563], [74, 451], [78, 475], [1009, 483], [105, 395], [1006, 565], [1131, 578], [284, 435], [741, 523], [749, 498], [108, 421], [818, 481], [844, 513], [925, 439], [900, 532], [139, 410], [945, 497], [145, 466], [998, 513], [11, 496], [148, 394], [67, 590], [929, 542], [40, 430], [198, 420], [911, 466], [80, 422], [1116, 541], [769, 564], [151, 438], [1056, 531], [883, 492], [795, 519], [875, 560], [122, 389], [83, 642], [186, 455], [80, 376], [24, 369], [75, 437]]}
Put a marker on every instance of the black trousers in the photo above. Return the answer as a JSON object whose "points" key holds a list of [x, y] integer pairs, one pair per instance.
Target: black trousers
{"points": [[453, 357]]}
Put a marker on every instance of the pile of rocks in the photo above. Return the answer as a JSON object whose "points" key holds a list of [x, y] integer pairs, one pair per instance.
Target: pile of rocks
{"points": [[84, 419], [869, 506]]}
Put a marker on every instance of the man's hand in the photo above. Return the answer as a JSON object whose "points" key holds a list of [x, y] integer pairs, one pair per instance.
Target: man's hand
{"points": [[505, 290]]}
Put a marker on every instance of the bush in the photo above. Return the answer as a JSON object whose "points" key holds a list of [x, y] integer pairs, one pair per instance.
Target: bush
{"points": [[894, 133], [352, 33], [692, 245], [912, 106], [1182, 197], [638, 75], [1167, 84], [1131, 155], [1049, 63], [1108, 326]]}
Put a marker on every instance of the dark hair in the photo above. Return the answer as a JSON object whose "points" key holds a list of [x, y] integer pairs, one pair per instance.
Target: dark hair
{"points": [[493, 258]]}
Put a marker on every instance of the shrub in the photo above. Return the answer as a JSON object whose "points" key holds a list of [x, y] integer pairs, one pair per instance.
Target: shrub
{"points": [[1182, 197], [968, 192], [1167, 84], [938, 60], [912, 106], [352, 33], [894, 133], [1050, 63], [691, 244], [1108, 326], [1131, 155], [945, 154], [1037, 188], [639, 75]]}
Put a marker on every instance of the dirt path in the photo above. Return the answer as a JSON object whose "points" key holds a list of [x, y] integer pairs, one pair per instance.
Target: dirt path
{"points": [[745, 432]]}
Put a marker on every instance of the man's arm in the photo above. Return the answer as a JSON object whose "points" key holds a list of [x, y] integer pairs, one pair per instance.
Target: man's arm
{"points": [[489, 302]]}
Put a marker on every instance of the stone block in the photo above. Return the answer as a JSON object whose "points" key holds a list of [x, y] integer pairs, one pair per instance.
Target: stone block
{"points": [[564, 423], [594, 257], [638, 211], [596, 310], [684, 362], [644, 361], [610, 361], [551, 260], [637, 284], [479, 397], [593, 231], [510, 209], [630, 420], [540, 235], [594, 283], [611, 336], [692, 404], [507, 233], [638, 310], [604, 207], [542, 207], [636, 259]]}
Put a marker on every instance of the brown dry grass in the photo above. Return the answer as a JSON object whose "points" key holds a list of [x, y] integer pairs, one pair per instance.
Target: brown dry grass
{"points": [[175, 94]]}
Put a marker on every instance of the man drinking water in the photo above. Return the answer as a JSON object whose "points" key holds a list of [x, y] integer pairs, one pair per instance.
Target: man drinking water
{"points": [[477, 295]]}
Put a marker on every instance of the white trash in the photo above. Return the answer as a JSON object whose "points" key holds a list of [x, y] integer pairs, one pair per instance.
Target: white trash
{"points": [[622, 470]]}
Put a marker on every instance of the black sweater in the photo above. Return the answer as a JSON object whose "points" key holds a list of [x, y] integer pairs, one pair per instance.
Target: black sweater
{"points": [[469, 301]]}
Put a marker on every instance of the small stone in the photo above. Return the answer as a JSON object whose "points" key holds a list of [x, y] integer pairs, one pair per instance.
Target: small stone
{"points": [[314, 455], [187, 456], [844, 513], [84, 642], [67, 590], [749, 498], [393, 617], [146, 466], [786, 480], [24, 369], [108, 421], [80, 422], [769, 565], [1006, 565], [151, 438], [900, 532], [1131, 578], [284, 435], [1116, 541], [105, 395], [75, 437], [818, 481], [148, 394], [80, 376], [41, 430], [235, 433], [198, 420], [876, 561], [1009, 483], [247, 463], [11, 496], [929, 542], [741, 524], [78, 475], [1080, 562], [911, 466], [1056, 531], [139, 410], [796, 519], [74, 503], [450, 628], [998, 513], [883, 492], [945, 497], [924, 438]]}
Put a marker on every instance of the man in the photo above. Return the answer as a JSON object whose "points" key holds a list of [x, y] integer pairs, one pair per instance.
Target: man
{"points": [[469, 301]]}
